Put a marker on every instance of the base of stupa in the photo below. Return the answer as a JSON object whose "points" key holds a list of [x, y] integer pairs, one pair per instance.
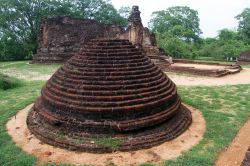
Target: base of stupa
{"points": [[104, 143], [169, 150]]}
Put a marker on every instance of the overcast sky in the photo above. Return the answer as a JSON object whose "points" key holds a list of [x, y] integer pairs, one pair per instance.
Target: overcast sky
{"points": [[214, 14]]}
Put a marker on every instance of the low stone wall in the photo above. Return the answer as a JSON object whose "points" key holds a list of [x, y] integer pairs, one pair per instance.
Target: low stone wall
{"points": [[240, 62], [244, 58], [229, 69]]}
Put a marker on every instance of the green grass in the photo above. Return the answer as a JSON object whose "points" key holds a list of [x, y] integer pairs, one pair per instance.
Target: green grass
{"points": [[108, 142], [225, 110], [12, 100], [60, 135], [246, 66], [27, 71]]}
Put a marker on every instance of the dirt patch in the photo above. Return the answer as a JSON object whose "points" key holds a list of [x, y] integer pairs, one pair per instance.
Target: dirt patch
{"points": [[17, 128], [235, 153], [192, 80]]}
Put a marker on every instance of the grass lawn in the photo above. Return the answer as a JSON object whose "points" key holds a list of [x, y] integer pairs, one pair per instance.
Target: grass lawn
{"points": [[246, 66], [27, 71], [12, 100], [225, 109]]}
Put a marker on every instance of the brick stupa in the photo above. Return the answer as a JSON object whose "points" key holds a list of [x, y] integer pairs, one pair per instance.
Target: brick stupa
{"points": [[110, 97]]}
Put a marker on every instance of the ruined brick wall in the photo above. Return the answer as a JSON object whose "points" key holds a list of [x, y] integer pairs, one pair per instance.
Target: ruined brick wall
{"points": [[144, 39], [136, 33], [244, 58], [61, 37]]}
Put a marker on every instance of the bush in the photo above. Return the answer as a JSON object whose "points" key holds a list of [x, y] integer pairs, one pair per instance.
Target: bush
{"points": [[175, 47], [7, 82]]}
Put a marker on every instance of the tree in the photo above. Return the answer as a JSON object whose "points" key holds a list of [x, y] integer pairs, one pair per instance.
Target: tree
{"points": [[177, 31], [109, 15], [244, 24], [20, 20], [181, 20], [226, 34], [175, 46], [125, 11], [226, 44]]}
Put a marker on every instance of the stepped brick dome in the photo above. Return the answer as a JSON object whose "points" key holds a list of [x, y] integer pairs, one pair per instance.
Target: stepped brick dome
{"points": [[108, 97]]}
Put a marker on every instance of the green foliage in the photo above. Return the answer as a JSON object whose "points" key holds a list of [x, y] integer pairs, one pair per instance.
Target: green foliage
{"points": [[108, 14], [60, 136], [227, 44], [175, 46], [177, 31], [20, 21], [182, 21], [244, 25], [7, 82]]}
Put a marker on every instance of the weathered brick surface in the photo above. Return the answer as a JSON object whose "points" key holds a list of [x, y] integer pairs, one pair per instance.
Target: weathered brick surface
{"points": [[228, 69], [246, 161], [110, 89], [244, 58], [61, 37]]}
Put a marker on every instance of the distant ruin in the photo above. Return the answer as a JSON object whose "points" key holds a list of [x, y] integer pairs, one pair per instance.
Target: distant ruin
{"points": [[144, 39], [244, 58], [61, 37], [210, 69]]}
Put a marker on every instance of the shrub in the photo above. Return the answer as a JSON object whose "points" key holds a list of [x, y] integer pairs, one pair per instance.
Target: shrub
{"points": [[7, 82]]}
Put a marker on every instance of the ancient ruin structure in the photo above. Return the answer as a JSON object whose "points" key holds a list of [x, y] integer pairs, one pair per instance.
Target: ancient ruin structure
{"points": [[61, 37], [108, 97], [144, 39], [210, 69], [244, 58]]}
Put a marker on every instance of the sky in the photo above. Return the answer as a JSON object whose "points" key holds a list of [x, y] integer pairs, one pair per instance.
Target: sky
{"points": [[214, 14]]}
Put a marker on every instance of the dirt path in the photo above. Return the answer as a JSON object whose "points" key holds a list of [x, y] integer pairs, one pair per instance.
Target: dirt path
{"points": [[17, 128], [190, 80], [235, 153]]}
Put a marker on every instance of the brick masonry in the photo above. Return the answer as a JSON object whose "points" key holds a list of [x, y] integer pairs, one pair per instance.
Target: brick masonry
{"points": [[109, 90], [244, 58], [61, 37]]}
